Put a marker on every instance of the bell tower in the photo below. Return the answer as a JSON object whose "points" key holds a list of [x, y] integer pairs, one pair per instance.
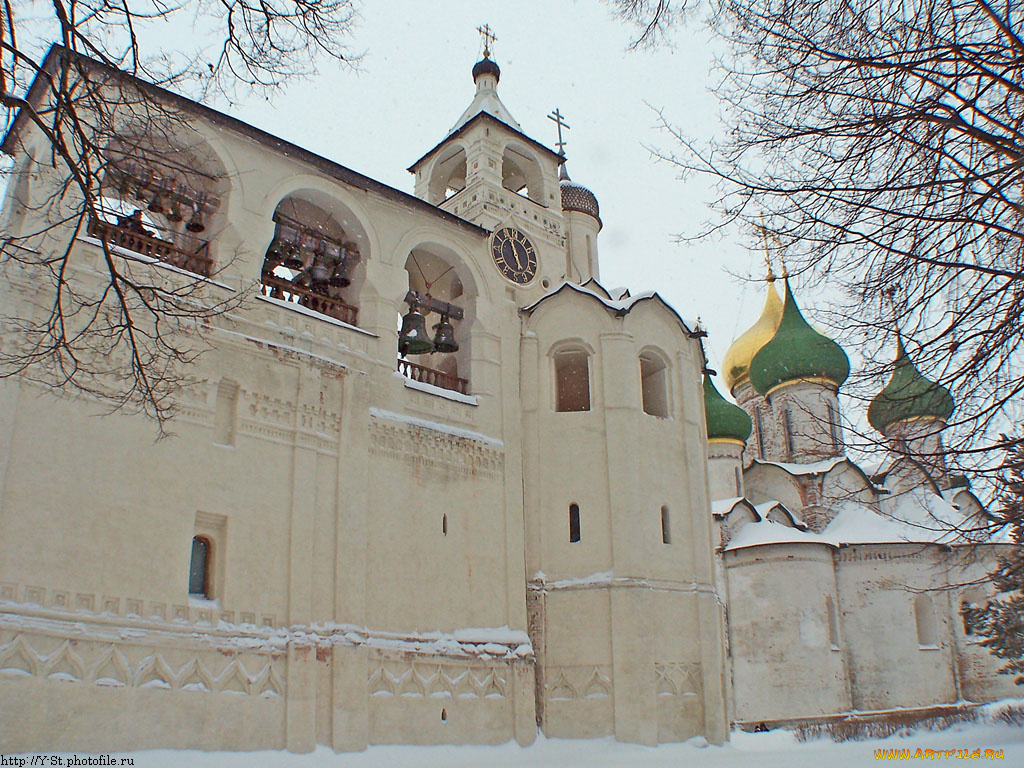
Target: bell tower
{"points": [[486, 170]]}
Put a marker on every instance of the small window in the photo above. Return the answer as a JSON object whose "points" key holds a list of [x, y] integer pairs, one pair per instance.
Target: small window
{"points": [[739, 481], [833, 622], [834, 427], [444, 525], [654, 385], [924, 615], [969, 625], [666, 527], [199, 568], [574, 523], [572, 381], [759, 425], [787, 426]]}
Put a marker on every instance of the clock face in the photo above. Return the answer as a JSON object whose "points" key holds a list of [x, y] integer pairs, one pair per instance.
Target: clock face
{"points": [[514, 255]]}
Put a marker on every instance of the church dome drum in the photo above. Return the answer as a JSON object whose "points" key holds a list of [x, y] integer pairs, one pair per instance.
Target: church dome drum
{"points": [[797, 352], [908, 395]]}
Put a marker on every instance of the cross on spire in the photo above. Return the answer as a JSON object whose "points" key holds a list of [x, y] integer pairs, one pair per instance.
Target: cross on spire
{"points": [[559, 119], [488, 37], [767, 250]]}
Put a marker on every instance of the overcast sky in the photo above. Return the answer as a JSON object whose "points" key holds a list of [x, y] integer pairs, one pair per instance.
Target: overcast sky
{"points": [[415, 81]]}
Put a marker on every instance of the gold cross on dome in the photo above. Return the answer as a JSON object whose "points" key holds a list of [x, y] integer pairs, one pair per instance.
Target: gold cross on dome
{"points": [[559, 119], [489, 38]]}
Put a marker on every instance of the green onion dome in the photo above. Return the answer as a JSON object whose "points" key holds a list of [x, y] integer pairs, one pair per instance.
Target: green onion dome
{"points": [[797, 352], [908, 395], [724, 420]]}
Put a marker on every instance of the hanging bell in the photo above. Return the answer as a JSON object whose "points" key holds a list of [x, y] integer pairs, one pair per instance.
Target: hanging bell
{"points": [[319, 272], [339, 277], [444, 339], [175, 214], [195, 224], [156, 205], [413, 339]]}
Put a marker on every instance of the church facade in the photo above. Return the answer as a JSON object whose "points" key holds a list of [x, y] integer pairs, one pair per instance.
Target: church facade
{"points": [[431, 482]]}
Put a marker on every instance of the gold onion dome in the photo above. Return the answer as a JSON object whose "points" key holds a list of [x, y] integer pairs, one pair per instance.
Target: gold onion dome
{"points": [[908, 395], [724, 420], [797, 352], [736, 363]]}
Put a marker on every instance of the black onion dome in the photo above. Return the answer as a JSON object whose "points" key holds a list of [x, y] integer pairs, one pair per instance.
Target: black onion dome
{"points": [[486, 67], [576, 197]]}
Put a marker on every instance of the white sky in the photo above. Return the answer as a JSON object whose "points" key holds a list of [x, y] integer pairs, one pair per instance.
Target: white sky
{"points": [[415, 81]]}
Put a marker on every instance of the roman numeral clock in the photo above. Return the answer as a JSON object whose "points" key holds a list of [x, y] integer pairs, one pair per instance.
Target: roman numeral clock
{"points": [[514, 255]]}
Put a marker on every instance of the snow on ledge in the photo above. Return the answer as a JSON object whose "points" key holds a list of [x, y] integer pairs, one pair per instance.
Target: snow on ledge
{"points": [[380, 413], [448, 394], [810, 468], [290, 305]]}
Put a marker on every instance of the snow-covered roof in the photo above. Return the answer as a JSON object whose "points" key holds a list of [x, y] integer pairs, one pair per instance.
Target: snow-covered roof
{"points": [[766, 508], [486, 100], [619, 306], [769, 532], [722, 507], [918, 516]]}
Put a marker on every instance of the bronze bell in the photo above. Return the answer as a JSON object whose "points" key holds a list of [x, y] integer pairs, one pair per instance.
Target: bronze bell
{"points": [[413, 339], [444, 340], [339, 277], [156, 205], [175, 214], [195, 224]]}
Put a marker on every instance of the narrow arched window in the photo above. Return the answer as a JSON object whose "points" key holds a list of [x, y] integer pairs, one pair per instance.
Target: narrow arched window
{"points": [[834, 427], [574, 523], [572, 380], [654, 384], [199, 568], [759, 425], [924, 615], [739, 481], [833, 622], [787, 427], [666, 527]]}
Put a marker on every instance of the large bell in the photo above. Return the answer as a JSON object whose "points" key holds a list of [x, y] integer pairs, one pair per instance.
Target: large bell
{"points": [[339, 277], [444, 340], [414, 340], [319, 271], [195, 224], [156, 205]]}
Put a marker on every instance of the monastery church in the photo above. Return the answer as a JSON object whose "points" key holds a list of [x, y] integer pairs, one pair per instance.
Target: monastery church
{"points": [[432, 482]]}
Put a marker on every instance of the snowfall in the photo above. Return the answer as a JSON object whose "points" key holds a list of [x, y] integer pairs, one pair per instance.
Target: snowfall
{"points": [[774, 749]]}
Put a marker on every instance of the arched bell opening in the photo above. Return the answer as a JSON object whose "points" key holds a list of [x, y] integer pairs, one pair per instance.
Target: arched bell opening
{"points": [[163, 195], [434, 336], [448, 177], [315, 257], [521, 173]]}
